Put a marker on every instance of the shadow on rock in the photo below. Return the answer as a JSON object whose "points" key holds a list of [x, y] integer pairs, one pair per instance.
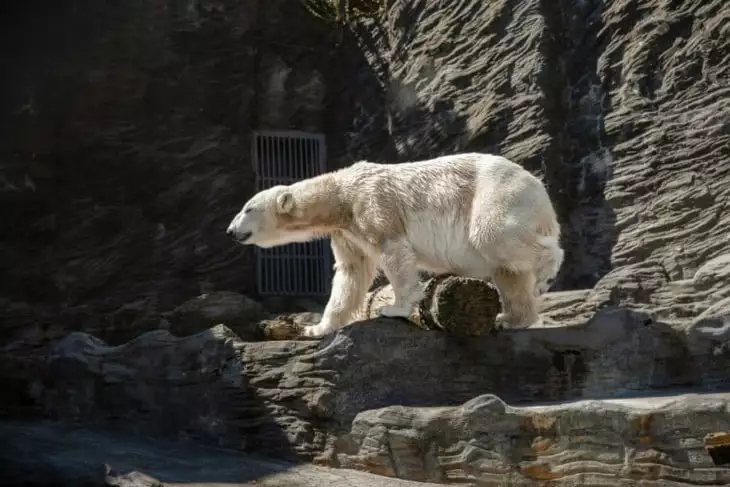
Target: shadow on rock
{"points": [[159, 385], [46, 454], [588, 217]]}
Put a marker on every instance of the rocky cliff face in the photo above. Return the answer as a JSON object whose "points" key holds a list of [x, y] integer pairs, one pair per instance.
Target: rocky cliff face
{"points": [[124, 153], [124, 149], [622, 108], [120, 166]]}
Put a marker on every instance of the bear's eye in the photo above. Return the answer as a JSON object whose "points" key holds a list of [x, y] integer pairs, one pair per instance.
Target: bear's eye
{"points": [[246, 210]]}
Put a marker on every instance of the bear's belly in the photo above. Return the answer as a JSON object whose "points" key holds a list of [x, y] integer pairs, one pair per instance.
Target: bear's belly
{"points": [[442, 246]]}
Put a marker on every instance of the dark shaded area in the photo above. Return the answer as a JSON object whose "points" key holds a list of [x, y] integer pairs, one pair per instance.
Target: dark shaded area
{"points": [[58, 455], [178, 389], [126, 128], [131, 150], [718, 447], [581, 163], [124, 148]]}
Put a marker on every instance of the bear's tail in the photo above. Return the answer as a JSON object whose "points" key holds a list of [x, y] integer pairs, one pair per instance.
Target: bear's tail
{"points": [[550, 258]]}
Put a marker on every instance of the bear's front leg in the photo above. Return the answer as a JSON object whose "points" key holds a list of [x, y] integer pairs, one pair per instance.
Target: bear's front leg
{"points": [[338, 310], [354, 272], [399, 265]]}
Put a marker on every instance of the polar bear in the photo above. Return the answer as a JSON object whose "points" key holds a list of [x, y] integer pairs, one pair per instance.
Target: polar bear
{"points": [[475, 215]]}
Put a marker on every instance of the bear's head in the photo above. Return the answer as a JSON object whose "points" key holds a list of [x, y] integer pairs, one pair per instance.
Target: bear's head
{"points": [[276, 216]]}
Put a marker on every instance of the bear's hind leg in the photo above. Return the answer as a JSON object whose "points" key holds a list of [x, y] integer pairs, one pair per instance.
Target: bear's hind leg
{"points": [[550, 259], [517, 293]]}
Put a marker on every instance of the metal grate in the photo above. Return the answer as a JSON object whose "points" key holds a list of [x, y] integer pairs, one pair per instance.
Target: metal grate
{"points": [[303, 269]]}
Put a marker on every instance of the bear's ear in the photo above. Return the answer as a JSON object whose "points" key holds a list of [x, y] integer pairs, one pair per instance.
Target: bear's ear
{"points": [[285, 203]]}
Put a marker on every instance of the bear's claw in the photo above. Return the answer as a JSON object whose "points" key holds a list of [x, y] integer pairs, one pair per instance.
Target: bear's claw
{"points": [[317, 331], [394, 312]]}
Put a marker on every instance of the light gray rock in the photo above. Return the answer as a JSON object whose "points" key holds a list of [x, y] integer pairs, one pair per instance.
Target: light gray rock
{"points": [[296, 397], [647, 441]]}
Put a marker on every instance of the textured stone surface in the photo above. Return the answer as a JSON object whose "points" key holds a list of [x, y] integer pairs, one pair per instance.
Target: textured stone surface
{"points": [[652, 441], [124, 150], [296, 397], [621, 107], [240, 313]]}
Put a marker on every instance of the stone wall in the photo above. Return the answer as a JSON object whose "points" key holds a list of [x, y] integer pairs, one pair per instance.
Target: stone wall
{"points": [[620, 108], [125, 129], [124, 148], [124, 132]]}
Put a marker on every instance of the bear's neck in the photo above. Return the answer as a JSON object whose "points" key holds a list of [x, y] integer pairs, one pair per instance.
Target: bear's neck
{"points": [[325, 210]]}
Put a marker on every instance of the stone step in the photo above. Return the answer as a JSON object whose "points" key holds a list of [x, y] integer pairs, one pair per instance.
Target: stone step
{"points": [[656, 440]]}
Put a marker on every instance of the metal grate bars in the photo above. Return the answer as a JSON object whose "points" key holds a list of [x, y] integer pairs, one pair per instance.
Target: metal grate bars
{"points": [[302, 268]]}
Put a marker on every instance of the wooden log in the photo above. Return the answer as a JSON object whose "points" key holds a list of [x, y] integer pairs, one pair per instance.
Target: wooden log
{"points": [[456, 305], [451, 304]]}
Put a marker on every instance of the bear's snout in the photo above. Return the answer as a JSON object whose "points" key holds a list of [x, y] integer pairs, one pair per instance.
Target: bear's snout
{"points": [[240, 237], [234, 231]]}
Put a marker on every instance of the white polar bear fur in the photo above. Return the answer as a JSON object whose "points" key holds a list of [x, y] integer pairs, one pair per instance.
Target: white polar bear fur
{"points": [[473, 215]]}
